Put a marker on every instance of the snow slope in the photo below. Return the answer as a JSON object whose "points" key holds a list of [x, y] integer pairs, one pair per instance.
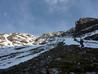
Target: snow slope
{"points": [[14, 56], [11, 56], [87, 43]]}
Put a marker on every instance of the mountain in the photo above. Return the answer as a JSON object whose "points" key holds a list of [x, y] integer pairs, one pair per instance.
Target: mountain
{"points": [[16, 48], [53, 52], [24, 39], [16, 39], [51, 37]]}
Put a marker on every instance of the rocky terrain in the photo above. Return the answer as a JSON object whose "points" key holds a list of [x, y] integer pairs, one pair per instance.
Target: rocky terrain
{"points": [[16, 39], [86, 26], [64, 59], [52, 52], [24, 39]]}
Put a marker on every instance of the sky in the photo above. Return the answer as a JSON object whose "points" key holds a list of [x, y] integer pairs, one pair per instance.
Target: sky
{"points": [[40, 16]]}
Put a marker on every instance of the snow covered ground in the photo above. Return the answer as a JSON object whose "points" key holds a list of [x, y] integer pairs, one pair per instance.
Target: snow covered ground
{"points": [[91, 43], [12, 56], [70, 41], [90, 34], [87, 43]]}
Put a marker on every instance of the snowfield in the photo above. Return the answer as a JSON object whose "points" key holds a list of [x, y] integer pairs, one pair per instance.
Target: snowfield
{"points": [[87, 43], [11, 56]]}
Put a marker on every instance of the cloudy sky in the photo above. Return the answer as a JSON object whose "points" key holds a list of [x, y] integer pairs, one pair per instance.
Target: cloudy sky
{"points": [[39, 16]]}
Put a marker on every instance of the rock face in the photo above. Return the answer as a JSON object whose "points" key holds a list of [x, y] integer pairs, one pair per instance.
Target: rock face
{"points": [[93, 37], [86, 25], [83, 23]]}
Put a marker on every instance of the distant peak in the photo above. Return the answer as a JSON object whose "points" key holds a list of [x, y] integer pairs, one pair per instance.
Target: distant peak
{"points": [[16, 39]]}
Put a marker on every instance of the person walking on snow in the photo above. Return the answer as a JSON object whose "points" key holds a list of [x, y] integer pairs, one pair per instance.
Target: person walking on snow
{"points": [[81, 43]]}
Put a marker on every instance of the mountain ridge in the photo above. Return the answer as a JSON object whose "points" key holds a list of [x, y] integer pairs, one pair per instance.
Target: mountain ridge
{"points": [[25, 39], [56, 52], [16, 39]]}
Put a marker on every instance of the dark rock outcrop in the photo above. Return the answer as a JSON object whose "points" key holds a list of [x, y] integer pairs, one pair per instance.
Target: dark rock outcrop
{"points": [[86, 25], [93, 37], [83, 23]]}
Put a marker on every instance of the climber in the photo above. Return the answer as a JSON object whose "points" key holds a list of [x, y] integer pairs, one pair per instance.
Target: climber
{"points": [[81, 43]]}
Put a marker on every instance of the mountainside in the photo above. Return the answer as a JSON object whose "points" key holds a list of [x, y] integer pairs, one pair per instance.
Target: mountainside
{"points": [[62, 59], [51, 37], [24, 39], [20, 47], [16, 39], [22, 53], [86, 22], [86, 26]]}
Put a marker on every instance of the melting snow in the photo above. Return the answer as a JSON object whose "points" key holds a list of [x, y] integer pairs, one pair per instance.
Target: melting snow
{"points": [[16, 55], [87, 43], [91, 43], [10, 56], [70, 41]]}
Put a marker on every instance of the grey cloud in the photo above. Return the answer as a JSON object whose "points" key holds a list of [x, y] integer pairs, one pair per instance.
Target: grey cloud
{"points": [[37, 16]]}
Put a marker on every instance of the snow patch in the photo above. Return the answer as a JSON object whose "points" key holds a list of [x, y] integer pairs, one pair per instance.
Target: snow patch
{"points": [[24, 54]]}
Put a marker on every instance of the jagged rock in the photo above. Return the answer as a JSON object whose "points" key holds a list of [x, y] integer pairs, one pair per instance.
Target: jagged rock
{"points": [[83, 23], [93, 37]]}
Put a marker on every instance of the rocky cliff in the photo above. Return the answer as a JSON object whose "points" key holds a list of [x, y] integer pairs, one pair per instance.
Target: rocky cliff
{"points": [[87, 28]]}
